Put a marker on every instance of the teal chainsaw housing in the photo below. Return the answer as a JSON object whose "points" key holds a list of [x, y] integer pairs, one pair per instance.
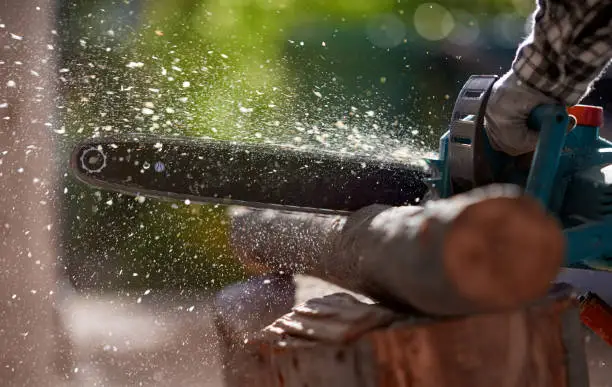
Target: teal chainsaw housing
{"points": [[570, 173]]}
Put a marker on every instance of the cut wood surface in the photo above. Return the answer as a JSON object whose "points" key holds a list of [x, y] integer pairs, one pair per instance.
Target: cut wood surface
{"points": [[486, 250], [340, 341]]}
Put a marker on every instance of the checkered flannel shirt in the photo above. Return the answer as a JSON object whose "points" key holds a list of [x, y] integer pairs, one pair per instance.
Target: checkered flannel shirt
{"points": [[568, 48]]}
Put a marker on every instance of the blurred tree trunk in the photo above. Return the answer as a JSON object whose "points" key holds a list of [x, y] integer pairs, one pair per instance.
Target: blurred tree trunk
{"points": [[29, 323]]}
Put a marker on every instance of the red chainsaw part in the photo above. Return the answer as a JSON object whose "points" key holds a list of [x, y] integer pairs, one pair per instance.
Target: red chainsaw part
{"points": [[587, 115], [597, 316]]}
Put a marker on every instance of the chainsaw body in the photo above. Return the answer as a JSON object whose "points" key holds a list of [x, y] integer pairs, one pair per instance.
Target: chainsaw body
{"points": [[570, 173]]}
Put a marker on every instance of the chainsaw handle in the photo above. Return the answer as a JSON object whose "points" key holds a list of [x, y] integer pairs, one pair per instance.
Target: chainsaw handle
{"points": [[551, 122]]}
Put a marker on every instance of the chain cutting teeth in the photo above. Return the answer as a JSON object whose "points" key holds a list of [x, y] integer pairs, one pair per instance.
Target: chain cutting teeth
{"points": [[435, 166], [433, 182]]}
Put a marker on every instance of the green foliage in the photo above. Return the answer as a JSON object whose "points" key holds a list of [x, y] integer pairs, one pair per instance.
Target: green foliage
{"points": [[147, 244]]}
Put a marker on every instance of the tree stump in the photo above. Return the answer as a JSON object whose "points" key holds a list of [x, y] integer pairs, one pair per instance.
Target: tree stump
{"points": [[338, 340]]}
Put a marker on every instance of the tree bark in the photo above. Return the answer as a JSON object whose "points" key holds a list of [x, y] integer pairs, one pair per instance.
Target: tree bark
{"points": [[486, 250], [29, 323], [338, 341]]}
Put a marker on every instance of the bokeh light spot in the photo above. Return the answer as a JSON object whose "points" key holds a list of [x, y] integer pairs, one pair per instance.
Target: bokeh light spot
{"points": [[524, 7], [433, 22], [509, 29], [466, 30], [386, 31]]}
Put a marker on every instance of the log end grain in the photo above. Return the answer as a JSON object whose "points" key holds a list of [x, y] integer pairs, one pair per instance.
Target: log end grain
{"points": [[503, 251]]}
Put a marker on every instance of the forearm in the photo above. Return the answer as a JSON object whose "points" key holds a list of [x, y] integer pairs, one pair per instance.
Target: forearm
{"points": [[568, 48]]}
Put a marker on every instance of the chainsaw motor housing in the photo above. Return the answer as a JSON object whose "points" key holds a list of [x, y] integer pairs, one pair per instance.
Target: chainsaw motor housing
{"points": [[570, 172], [594, 183]]}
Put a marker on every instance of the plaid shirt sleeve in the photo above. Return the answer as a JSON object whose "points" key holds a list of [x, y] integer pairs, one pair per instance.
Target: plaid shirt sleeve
{"points": [[568, 48]]}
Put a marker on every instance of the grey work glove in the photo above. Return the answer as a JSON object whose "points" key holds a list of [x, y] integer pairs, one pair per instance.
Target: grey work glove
{"points": [[506, 115]]}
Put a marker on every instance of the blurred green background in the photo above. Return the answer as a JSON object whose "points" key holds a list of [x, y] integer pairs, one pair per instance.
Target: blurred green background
{"points": [[367, 76]]}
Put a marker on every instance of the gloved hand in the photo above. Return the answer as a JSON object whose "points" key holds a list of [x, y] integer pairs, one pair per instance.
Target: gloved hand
{"points": [[506, 115]]}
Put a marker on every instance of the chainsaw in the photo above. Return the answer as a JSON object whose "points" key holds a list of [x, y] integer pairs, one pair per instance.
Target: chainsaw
{"points": [[570, 172]]}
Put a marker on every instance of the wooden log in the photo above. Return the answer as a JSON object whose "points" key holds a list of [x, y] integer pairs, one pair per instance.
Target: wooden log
{"points": [[339, 341], [488, 249]]}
